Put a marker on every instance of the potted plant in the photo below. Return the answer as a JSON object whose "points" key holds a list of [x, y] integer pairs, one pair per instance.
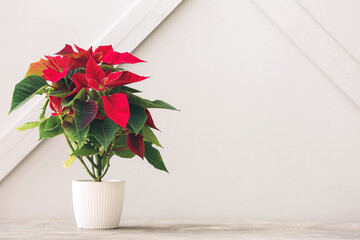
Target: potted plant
{"points": [[99, 116]]}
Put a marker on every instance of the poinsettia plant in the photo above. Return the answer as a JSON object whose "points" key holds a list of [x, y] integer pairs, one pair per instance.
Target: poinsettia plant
{"points": [[90, 105]]}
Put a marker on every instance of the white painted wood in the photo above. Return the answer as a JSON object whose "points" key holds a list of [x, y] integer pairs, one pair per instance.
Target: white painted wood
{"points": [[137, 25], [131, 30], [15, 145], [209, 230], [315, 42]]}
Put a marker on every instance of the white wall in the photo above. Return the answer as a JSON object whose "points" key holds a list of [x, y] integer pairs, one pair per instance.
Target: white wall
{"points": [[262, 133], [341, 19]]}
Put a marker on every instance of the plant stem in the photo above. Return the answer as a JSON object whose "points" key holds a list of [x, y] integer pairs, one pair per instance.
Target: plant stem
{"points": [[93, 165], [119, 149], [91, 161], [80, 158], [99, 167], [93, 169], [82, 161], [106, 169]]}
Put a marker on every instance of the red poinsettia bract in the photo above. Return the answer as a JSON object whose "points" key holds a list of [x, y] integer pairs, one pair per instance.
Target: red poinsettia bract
{"points": [[57, 69], [136, 144], [117, 108], [104, 54], [55, 105], [149, 120], [99, 80]]}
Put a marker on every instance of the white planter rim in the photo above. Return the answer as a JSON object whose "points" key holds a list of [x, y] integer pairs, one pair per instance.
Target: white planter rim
{"points": [[102, 181]]}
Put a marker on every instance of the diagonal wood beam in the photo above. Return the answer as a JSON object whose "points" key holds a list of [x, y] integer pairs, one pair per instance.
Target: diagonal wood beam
{"points": [[317, 44]]}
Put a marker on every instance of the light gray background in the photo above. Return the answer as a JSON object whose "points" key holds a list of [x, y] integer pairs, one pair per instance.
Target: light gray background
{"points": [[262, 133]]}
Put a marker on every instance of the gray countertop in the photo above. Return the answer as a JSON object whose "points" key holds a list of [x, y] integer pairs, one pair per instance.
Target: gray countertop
{"points": [[66, 229]]}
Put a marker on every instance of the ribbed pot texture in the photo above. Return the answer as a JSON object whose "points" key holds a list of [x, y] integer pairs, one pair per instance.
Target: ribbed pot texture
{"points": [[98, 205]]}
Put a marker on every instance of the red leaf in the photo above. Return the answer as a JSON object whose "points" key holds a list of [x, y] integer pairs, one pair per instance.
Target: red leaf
{"points": [[53, 76], [136, 144], [149, 120], [80, 59], [125, 78], [76, 59], [80, 81], [58, 62], [55, 105], [120, 58], [102, 52], [85, 112], [67, 50], [117, 108], [108, 72], [79, 48], [94, 74], [37, 68], [111, 77]]}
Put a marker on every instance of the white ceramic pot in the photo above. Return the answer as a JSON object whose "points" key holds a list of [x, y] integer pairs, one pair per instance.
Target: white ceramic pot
{"points": [[98, 205]]}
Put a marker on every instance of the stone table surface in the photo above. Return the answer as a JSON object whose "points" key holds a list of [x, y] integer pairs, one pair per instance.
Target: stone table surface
{"points": [[133, 230]]}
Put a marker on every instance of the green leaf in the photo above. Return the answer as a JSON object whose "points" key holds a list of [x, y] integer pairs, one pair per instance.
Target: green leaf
{"points": [[66, 100], [121, 89], [77, 70], [120, 143], [81, 96], [86, 150], [126, 153], [93, 139], [59, 84], [26, 89], [43, 109], [49, 128], [104, 162], [59, 94], [29, 125], [129, 89], [75, 134], [162, 104], [94, 95], [101, 109], [67, 163], [137, 118], [153, 156], [149, 135], [84, 113], [51, 123], [103, 131], [133, 99], [107, 67]]}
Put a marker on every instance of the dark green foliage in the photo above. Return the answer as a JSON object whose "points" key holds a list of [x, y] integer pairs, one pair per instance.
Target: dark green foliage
{"points": [[26, 89]]}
